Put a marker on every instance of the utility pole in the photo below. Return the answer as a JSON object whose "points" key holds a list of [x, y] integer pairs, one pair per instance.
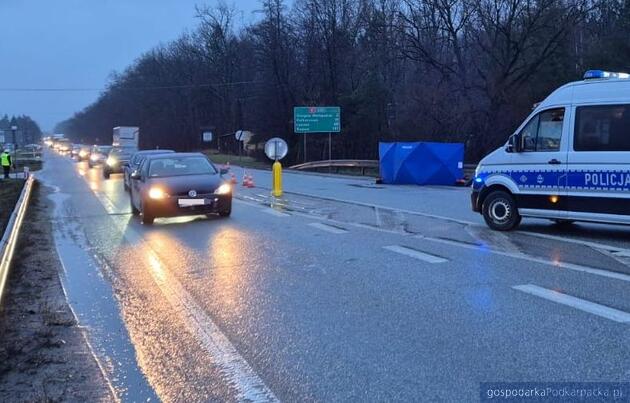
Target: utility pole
{"points": [[14, 132]]}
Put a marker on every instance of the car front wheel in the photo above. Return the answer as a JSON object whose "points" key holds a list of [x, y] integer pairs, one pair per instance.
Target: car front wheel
{"points": [[147, 216], [500, 211], [134, 210]]}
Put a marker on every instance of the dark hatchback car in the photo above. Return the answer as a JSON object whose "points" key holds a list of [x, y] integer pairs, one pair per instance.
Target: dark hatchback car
{"points": [[177, 184], [136, 160], [116, 160]]}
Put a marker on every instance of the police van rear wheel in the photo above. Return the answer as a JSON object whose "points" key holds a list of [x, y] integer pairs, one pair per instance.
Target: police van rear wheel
{"points": [[500, 212]]}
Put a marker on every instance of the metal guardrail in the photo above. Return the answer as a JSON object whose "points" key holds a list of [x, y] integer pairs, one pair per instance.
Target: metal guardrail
{"points": [[361, 164], [11, 233], [28, 156]]}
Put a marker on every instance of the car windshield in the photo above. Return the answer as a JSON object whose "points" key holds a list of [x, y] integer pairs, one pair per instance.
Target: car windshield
{"points": [[178, 166], [140, 156], [103, 149]]}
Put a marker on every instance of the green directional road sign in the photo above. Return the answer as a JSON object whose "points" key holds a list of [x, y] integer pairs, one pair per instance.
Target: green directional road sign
{"points": [[317, 119]]}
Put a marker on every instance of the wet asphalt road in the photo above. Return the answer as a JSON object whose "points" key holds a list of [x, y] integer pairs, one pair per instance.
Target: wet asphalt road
{"points": [[328, 301]]}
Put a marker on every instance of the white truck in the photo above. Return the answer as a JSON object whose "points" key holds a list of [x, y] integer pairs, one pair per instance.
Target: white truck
{"points": [[126, 136]]}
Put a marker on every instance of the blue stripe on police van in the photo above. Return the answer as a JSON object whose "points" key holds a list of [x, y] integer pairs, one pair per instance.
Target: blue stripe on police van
{"points": [[599, 180]]}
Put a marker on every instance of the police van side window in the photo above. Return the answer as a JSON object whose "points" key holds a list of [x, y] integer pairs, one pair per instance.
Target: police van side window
{"points": [[602, 128], [544, 131]]}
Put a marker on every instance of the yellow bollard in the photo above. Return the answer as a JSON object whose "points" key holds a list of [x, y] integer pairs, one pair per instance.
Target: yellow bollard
{"points": [[277, 179]]}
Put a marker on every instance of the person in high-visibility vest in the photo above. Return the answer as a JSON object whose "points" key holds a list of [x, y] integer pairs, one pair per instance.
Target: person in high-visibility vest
{"points": [[5, 160]]}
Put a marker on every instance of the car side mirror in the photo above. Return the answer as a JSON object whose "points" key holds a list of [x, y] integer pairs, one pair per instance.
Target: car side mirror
{"points": [[223, 171]]}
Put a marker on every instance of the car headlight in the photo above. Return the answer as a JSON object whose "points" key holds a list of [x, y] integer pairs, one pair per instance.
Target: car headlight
{"points": [[223, 189], [156, 193], [94, 157], [111, 161], [82, 154]]}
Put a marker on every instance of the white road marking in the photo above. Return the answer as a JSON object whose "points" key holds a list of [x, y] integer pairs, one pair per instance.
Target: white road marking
{"points": [[623, 252], [237, 371], [570, 266], [377, 206], [328, 228], [577, 303], [596, 245], [416, 254], [274, 212]]}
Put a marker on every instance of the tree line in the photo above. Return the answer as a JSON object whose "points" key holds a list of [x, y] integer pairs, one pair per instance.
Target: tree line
{"points": [[27, 132], [402, 70]]}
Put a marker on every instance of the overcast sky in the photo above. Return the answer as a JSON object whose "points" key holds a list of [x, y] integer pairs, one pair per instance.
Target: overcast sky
{"points": [[77, 44]]}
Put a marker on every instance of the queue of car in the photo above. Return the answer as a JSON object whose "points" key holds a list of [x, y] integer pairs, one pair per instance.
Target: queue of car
{"points": [[161, 183]]}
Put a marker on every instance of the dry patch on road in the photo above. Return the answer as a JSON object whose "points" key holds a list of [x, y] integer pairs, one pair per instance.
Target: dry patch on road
{"points": [[44, 354]]}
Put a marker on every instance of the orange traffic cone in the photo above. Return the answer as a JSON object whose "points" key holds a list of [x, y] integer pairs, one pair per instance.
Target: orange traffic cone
{"points": [[245, 179], [233, 179], [250, 182]]}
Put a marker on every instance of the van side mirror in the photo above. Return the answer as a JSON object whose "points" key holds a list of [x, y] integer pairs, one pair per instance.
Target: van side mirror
{"points": [[135, 175], [224, 171]]}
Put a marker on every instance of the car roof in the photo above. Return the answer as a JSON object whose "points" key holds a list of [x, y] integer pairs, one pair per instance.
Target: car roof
{"points": [[174, 155]]}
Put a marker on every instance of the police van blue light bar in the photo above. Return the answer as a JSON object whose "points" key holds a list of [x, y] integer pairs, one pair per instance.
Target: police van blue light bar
{"points": [[594, 74]]}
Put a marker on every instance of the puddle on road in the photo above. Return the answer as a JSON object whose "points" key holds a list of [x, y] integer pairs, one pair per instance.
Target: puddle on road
{"points": [[91, 298]]}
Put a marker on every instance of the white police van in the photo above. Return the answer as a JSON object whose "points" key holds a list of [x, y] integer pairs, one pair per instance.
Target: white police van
{"points": [[568, 161]]}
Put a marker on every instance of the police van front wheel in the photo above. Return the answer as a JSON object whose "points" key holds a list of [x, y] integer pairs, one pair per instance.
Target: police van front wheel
{"points": [[500, 212]]}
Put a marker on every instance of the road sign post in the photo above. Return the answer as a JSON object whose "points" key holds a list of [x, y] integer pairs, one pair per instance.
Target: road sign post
{"points": [[317, 119], [276, 149]]}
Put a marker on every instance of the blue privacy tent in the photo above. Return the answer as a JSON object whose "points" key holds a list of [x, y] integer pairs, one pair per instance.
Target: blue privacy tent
{"points": [[421, 163]]}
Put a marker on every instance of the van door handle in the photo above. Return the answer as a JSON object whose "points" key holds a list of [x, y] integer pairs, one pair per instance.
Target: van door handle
{"points": [[555, 162]]}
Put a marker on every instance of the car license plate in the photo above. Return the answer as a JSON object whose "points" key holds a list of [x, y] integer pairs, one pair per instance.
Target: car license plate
{"points": [[193, 202]]}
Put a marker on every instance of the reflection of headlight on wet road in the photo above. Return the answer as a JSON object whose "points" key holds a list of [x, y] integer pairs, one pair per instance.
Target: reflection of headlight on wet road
{"points": [[223, 189], [156, 193], [111, 162]]}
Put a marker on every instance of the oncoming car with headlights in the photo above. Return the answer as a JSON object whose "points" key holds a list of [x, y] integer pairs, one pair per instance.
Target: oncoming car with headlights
{"points": [[116, 161], [136, 161], [177, 184], [98, 155]]}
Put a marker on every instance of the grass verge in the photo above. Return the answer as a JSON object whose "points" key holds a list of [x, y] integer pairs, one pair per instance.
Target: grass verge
{"points": [[10, 190]]}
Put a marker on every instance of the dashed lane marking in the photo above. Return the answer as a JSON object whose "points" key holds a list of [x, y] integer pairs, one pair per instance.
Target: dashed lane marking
{"points": [[570, 266], [416, 254], [328, 228], [574, 302], [275, 213]]}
